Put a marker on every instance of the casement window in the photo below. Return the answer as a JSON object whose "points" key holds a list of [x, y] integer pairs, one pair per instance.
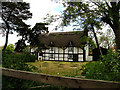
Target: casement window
{"points": [[70, 46], [70, 49], [51, 55], [51, 49], [70, 56]]}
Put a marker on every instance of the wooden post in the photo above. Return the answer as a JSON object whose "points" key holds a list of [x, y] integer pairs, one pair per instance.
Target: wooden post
{"points": [[84, 54]]}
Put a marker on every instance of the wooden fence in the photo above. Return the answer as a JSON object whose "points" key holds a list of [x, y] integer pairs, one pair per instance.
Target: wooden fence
{"points": [[60, 81]]}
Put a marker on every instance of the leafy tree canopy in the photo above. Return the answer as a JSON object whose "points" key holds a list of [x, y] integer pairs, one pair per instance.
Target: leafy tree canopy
{"points": [[13, 16], [94, 14], [38, 29]]}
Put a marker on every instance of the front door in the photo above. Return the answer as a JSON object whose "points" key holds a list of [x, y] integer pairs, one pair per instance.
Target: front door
{"points": [[75, 57]]}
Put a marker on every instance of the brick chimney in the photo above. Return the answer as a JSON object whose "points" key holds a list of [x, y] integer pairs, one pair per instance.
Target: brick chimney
{"points": [[47, 32]]}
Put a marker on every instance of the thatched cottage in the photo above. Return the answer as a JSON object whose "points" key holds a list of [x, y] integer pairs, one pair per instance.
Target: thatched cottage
{"points": [[64, 46]]}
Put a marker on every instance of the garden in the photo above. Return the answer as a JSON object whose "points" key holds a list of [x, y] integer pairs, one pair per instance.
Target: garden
{"points": [[91, 17], [107, 68]]}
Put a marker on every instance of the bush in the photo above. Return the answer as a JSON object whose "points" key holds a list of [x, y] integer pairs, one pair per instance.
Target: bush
{"points": [[10, 48], [16, 59], [108, 68], [26, 50], [18, 62], [29, 58], [20, 84]]}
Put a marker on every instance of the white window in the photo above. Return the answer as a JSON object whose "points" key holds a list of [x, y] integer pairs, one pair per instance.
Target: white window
{"points": [[51, 49], [51, 55], [70, 56], [70, 49]]}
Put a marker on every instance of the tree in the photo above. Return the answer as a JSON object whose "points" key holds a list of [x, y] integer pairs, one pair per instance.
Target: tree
{"points": [[10, 48], [13, 14], [25, 33], [36, 31], [95, 14], [107, 39], [79, 14], [20, 45]]}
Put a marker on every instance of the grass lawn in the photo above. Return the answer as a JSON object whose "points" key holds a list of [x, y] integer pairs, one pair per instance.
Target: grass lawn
{"points": [[0, 65], [70, 69]]}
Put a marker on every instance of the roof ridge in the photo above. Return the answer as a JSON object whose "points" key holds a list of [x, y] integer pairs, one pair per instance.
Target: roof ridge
{"points": [[70, 32]]}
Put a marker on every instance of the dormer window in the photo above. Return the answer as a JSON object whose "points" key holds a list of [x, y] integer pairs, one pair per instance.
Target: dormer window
{"points": [[70, 49], [51, 44], [70, 44]]}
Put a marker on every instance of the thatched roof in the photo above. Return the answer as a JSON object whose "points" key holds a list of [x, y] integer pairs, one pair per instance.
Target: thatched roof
{"points": [[62, 39]]}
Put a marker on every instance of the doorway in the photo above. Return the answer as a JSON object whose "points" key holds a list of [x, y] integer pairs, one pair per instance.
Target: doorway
{"points": [[75, 57]]}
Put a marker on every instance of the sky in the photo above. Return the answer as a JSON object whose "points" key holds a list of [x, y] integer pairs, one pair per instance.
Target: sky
{"points": [[39, 9]]}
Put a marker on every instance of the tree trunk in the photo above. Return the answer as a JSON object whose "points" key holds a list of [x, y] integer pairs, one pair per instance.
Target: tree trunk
{"points": [[6, 41], [117, 40], [96, 39]]}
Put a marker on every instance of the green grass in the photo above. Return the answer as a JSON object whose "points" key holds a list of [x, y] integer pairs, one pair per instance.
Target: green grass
{"points": [[0, 65], [69, 69]]}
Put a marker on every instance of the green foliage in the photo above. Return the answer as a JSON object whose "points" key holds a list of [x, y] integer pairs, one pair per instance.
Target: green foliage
{"points": [[81, 14], [26, 50], [13, 16], [92, 45], [57, 35], [10, 48], [107, 39], [18, 62], [111, 61], [36, 31], [20, 45], [106, 69], [20, 84], [83, 40]]}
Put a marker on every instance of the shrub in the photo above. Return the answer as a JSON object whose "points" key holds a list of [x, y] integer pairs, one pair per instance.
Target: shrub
{"points": [[18, 62], [108, 68], [26, 50], [10, 48]]}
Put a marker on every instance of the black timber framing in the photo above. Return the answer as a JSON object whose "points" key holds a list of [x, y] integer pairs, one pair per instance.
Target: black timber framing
{"points": [[72, 52], [84, 54], [58, 53], [63, 54], [54, 49], [68, 54], [48, 55], [63, 61], [57, 56]]}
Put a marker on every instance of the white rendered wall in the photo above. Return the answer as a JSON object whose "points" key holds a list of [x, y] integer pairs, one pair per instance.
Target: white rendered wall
{"points": [[59, 56], [88, 58]]}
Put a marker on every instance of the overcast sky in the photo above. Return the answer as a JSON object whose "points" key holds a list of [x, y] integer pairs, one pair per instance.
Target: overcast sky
{"points": [[39, 9]]}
